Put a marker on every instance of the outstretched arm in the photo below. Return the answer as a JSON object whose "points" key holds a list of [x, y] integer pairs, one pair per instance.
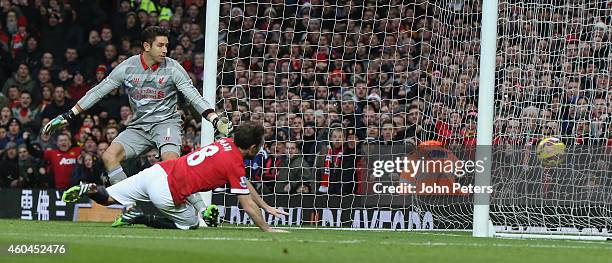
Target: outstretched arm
{"points": [[256, 197], [251, 208], [185, 86], [92, 97], [261, 203], [111, 82]]}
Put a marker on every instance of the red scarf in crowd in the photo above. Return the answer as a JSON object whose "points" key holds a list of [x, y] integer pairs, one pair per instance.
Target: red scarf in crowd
{"points": [[327, 167]]}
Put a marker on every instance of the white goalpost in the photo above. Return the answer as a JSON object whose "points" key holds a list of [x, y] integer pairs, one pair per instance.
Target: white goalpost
{"points": [[482, 224], [541, 80], [341, 84], [209, 89], [488, 40]]}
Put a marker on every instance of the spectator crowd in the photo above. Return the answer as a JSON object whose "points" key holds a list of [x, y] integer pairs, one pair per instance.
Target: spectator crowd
{"points": [[324, 77]]}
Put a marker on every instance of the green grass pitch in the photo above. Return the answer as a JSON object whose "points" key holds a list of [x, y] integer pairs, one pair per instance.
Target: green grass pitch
{"points": [[98, 242]]}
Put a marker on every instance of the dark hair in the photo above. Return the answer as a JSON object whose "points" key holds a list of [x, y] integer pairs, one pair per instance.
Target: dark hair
{"points": [[150, 33], [248, 134]]}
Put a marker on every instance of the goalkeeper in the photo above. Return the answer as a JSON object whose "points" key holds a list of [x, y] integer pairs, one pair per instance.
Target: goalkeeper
{"points": [[168, 183], [152, 82]]}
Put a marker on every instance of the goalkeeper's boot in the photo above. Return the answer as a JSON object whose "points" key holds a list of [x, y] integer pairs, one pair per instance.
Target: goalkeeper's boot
{"points": [[76, 192], [129, 216], [211, 216]]}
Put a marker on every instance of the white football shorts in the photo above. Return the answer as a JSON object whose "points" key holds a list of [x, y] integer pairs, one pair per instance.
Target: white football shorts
{"points": [[151, 185]]}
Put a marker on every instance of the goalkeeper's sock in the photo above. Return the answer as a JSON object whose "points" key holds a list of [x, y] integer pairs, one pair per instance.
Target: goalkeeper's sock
{"points": [[155, 221], [116, 175], [196, 200], [100, 195]]}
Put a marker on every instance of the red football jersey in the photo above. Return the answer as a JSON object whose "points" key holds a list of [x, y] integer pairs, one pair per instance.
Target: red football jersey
{"points": [[62, 164], [205, 169]]}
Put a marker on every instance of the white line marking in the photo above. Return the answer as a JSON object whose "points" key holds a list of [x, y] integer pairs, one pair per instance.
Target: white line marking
{"points": [[444, 244], [438, 234], [355, 241], [121, 236], [382, 230]]}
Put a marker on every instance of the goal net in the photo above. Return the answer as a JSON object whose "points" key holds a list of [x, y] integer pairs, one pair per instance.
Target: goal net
{"points": [[553, 81], [342, 87]]}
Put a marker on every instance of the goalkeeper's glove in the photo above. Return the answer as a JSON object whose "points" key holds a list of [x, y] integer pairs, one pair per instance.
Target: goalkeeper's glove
{"points": [[58, 122], [223, 125]]}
